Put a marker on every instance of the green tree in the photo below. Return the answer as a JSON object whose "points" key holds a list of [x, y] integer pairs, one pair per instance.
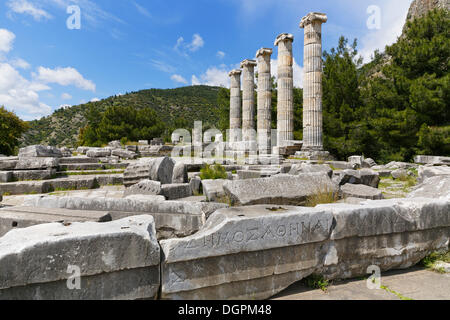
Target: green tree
{"points": [[11, 130], [123, 123], [345, 133], [223, 102], [410, 98]]}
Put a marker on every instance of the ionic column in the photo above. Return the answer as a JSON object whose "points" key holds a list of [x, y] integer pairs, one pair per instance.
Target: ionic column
{"points": [[248, 100], [312, 84], [235, 105], [264, 101], [285, 105]]}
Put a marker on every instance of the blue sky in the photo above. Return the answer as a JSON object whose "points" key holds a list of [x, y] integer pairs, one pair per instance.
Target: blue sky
{"points": [[128, 45]]}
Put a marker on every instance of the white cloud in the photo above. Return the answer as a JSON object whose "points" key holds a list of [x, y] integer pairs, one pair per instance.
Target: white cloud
{"points": [[20, 63], [142, 10], [393, 17], [181, 46], [220, 54], [20, 95], [94, 100], [66, 96], [26, 7], [162, 66], [65, 77], [195, 81], [214, 76], [178, 78], [298, 72], [6, 40], [197, 43]]}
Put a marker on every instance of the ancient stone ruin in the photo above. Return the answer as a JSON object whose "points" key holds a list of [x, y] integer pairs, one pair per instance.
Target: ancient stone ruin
{"points": [[142, 222]]}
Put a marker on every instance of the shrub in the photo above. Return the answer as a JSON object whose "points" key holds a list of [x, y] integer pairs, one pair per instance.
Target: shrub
{"points": [[323, 195], [215, 172]]}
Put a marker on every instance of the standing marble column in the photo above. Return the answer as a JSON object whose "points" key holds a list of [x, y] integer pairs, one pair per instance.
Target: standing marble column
{"points": [[264, 101], [285, 105], [235, 106], [312, 85], [248, 100]]}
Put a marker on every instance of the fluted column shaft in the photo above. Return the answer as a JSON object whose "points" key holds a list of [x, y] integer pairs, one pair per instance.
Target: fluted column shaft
{"points": [[248, 100], [264, 101], [312, 84], [285, 105], [235, 105]]}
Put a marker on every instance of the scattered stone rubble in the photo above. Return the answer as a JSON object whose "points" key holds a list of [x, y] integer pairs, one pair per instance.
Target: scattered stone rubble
{"points": [[159, 238]]}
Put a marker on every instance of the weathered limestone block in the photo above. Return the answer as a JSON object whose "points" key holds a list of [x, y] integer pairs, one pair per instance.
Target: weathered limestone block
{"points": [[361, 191], [195, 184], [255, 252], [428, 172], [180, 173], [26, 187], [160, 169], [98, 152], [434, 187], [77, 160], [109, 179], [279, 189], [144, 187], [81, 166], [83, 150], [254, 174], [400, 165], [176, 191], [172, 218], [390, 234], [39, 151], [26, 175], [124, 154], [368, 163], [132, 148], [213, 189], [8, 164], [365, 176], [34, 261], [65, 152], [432, 160], [24, 217], [311, 168], [343, 165], [6, 176], [115, 144], [399, 174], [37, 163], [359, 160], [245, 253]]}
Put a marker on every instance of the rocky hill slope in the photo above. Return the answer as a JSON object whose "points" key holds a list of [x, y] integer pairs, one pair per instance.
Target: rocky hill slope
{"points": [[190, 103]]}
